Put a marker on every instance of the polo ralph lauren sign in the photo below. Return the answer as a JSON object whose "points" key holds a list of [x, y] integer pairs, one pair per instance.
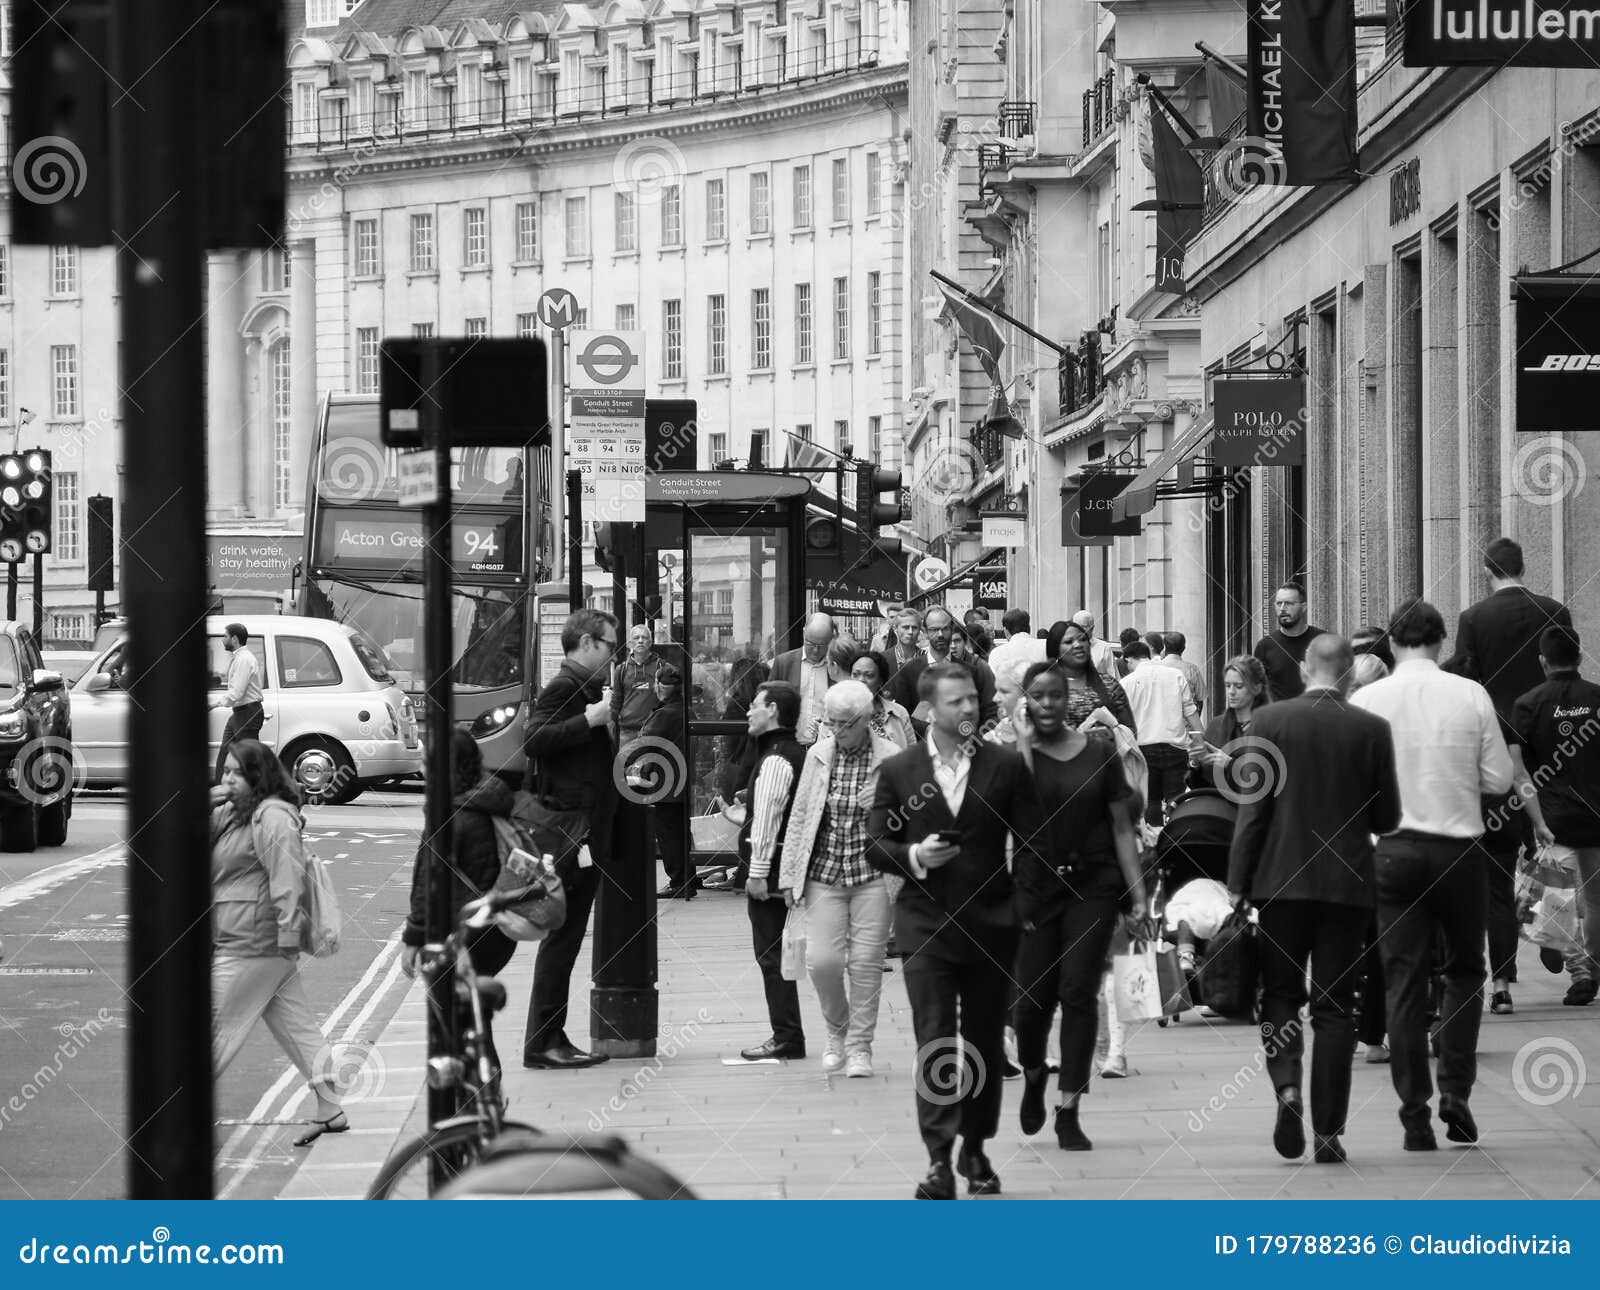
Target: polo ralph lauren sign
{"points": [[1259, 422], [1301, 102], [1501, 33]]}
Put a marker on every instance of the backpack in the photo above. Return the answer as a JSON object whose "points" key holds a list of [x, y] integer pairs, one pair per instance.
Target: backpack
{"points": [[539, 898], [321, 921]]}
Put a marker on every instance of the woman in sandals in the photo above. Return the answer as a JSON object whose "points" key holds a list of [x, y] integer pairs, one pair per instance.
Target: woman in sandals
{"points": [[257, 882]]}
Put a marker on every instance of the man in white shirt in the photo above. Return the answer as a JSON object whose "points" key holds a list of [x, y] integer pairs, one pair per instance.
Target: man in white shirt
{"points": [[1163, 713], [1432, 871], [243, 693], [1176, 643], [811, 672], [1102, 654]]}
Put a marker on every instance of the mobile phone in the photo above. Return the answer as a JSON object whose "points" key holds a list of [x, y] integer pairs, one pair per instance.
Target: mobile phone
{"points": [[948, 836]]}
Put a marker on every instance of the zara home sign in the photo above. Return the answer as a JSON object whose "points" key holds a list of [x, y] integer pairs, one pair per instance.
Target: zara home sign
{"points": [[1259, 421], [1501, 33]]}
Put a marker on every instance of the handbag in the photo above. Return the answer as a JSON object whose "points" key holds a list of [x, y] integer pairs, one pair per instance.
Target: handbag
{"points": [[793, 966], [1228, 975], [320, 918], [556, 831], [535, 898]]}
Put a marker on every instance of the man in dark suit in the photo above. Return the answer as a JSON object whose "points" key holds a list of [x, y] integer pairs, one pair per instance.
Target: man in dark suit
{"points": [[570, 758], [940, 819], [1302, 854], [812, 672], [1497, 645]]}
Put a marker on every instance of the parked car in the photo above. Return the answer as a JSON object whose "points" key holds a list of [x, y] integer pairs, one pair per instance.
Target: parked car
{"points": [[332, 710], [71, 663], [36, 766]]}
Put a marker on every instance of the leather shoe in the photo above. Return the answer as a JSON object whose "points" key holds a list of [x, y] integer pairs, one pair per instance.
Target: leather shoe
{"points": [[1421, 1139], [1289, 1133], [1032, 1113], [940, 1184], [1328, 1150], [772, 1048], [1459, 1126], [562, 1057], [1580, 994], [1069, 1133], [981, 1178], [1500, 1004]]}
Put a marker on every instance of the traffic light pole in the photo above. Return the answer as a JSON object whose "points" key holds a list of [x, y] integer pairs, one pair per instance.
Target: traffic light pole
{"points": [[11, 593], [170, 1110], [38, 600]]}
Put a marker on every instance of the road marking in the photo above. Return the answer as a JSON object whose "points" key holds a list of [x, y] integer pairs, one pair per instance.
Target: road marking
{"points": [[387, 958], [47, 880]]}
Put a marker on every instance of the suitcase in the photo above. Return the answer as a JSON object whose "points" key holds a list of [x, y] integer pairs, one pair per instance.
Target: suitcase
{"points": [[1228, 977]]}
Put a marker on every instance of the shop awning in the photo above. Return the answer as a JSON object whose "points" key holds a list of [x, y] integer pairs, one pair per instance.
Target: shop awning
{"points": [[957, 575], [1139, 497]]}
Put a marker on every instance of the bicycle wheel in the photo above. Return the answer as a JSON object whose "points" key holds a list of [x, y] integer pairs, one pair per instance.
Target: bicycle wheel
{"points": [[455, 1147]]}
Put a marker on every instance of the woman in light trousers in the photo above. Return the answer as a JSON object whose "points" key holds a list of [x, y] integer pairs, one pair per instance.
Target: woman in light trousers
{"points": [[824, 867]]}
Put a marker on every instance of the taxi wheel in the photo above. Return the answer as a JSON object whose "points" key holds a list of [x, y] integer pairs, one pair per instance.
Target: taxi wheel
{"points": [[323, 772]]}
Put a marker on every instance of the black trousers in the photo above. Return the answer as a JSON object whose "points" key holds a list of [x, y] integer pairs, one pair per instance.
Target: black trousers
{"points": [[669, 822], [1330, 937], [767, 918], [1501, 846], [552, 970], [1429, 885], [1374, 1013], [958, 1015], [1063, 960], [243, 723], [1169, 768]]}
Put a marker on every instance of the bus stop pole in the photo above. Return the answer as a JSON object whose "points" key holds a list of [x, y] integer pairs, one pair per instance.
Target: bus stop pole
{"points": [[558, 449]]}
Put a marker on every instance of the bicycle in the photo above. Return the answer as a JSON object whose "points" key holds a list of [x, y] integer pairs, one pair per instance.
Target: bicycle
{"points": [[453, 1146]]}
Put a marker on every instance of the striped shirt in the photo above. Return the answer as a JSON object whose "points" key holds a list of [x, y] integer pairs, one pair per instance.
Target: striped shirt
{"points": [[768, 800], [840, 857]]}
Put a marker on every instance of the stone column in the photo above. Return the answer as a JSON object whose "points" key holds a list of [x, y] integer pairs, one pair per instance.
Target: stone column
{"points": [[225, 430], [302, 362]]}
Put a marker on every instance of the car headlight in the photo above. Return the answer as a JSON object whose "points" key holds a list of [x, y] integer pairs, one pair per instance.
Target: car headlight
{"points": [[494, 720], [13, 725]]}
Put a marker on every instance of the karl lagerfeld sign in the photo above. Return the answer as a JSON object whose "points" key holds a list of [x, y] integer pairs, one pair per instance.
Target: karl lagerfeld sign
{"points": [[1501, 33], [1558, 353], [1259, 422]]}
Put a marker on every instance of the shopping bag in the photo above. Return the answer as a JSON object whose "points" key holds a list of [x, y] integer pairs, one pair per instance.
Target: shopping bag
{"points": [[1555, 866], [535, 898], [1174, 984], [794, 945], [1136, 983], [714, 833], [321, 920], [1555, 921]]}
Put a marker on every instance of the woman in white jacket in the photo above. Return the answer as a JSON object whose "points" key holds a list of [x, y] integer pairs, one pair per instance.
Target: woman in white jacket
{"points": [[257, 881], [824, 866]]}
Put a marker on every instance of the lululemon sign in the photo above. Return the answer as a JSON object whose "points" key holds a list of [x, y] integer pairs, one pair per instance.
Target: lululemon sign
{"points": [[1259, 422]]}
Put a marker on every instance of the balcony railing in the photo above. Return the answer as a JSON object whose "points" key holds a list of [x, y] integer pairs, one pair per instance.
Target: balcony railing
{"points": [[1099, 108], [1222, 170], [1015, 118], [992, 157], [992, 449], [392, 121], [1079, 373]]}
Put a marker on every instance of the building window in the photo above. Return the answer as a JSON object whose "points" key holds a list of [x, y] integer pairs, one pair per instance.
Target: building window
{"points": [[275, 269], [761, 328], [719, 447], [802, 432], [5, 270], [761, 202], [64, 374], [802, 196], [366, 360], [841, 318], [477, 328], [5, 385], [627, 317], [69, 626], [475, 236], [803, 327], [282, 427], [577, 227], [716, 211], [64, 270], [874, 182], [422, 243], [526, 325], [841, 190], [527, 232], [421, 331], [841, 434], [874, 313], [366, 248], [716, 335], [875, 438], [580, 318], [67, 543], [627, 221], [672, 340], [672, 215]]}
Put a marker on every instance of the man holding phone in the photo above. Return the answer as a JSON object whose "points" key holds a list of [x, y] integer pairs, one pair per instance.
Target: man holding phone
{"points": [[940, 819]]}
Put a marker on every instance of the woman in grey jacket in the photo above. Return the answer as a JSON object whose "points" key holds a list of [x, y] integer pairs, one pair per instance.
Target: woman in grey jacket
{"points": [[257, 880]]}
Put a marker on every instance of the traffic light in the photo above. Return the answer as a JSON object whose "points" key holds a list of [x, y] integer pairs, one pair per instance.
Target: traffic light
{"points": [[24, 505], [102, 544], [619, 547], [871, 514], [825, 532]]}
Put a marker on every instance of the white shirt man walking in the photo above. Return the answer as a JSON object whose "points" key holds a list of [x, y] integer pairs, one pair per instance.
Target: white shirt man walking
{"points": [[1164, 712], [243, 693]]}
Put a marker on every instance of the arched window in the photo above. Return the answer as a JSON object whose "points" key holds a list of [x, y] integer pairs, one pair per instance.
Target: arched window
{"points": [[282, 427]]}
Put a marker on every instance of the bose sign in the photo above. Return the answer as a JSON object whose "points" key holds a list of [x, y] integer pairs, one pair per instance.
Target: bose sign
{"points": [[1558, 354]]}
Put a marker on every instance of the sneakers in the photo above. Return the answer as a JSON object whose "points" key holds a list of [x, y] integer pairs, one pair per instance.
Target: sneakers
{"points": [[1115, 1067], [833, 1054], [858, 1065], [1377, 1054], [1500, 1003], [1186, 959]]}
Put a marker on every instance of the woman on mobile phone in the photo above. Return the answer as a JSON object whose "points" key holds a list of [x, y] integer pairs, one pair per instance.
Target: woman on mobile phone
{"points": [[1211, 764], [1081, 869]]}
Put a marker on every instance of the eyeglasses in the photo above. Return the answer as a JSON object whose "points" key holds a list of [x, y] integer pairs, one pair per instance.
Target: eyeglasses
{"points": [[828, 723]]}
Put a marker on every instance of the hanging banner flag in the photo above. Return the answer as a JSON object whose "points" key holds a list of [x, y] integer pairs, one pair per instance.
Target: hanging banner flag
{"points": [[1301, 106], [978, 330], [1259, 422], [1558, 353], [1500, 33], [1180, 200]]}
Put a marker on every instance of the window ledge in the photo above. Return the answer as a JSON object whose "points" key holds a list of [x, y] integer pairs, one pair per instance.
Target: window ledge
{"points": [[872, 219], [375, 278], [63, 300], [527, 264], [757, 237], [413, 274], [475, 270], [625, 255], [761, 371], [674, 382], [716, 378], [841, 223], [712, 242], [74, 422], [802, 367], [796, 234], [840, 362], [667, 251], [874, 358], [569, 260]]}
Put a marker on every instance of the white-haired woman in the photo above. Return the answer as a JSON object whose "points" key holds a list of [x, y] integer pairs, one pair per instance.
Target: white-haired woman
{"points": [[824, 866], [1010, 661]]}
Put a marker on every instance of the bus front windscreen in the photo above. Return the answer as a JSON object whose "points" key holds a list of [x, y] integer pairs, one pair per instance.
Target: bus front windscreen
{"points": [[487, 635], [354, 466]]}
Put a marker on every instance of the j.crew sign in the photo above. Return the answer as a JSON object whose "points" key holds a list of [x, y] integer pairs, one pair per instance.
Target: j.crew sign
{"points": [[1259, 422]]}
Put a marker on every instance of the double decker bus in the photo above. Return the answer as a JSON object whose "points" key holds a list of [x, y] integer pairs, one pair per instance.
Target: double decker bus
{"points": [[363, 565]]}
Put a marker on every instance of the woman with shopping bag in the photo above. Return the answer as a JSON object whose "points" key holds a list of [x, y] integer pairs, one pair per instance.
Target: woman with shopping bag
{"points": [[1081, 869], [825, 876]]}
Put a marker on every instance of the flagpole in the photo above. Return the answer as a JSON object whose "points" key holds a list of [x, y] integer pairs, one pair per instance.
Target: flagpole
{"points": [[1001, 314], [1222, 60]]}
